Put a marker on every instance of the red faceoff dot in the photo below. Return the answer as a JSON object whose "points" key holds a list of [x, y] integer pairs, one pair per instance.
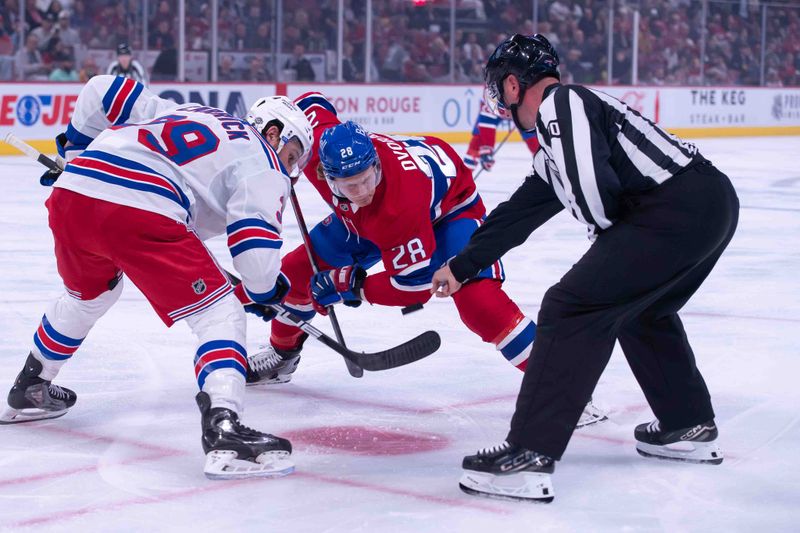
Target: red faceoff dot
{"points": [[368, 441]]}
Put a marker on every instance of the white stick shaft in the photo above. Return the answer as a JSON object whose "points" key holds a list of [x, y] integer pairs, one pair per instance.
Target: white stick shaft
{"points": [[22, 146]]}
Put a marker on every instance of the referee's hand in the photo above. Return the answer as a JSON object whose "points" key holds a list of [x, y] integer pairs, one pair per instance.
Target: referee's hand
{"points": [[444, 284]]}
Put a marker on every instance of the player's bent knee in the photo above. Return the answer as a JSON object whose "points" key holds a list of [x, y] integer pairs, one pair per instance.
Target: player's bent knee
{"points": [[89, 311], [224, 320]]}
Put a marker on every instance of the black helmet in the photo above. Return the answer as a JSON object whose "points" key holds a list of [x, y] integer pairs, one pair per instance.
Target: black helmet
{"points": [[123, 49], [528, 57]]}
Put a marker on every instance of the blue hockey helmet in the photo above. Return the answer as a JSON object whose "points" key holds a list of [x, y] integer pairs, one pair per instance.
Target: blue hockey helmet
{"points": [[344, 151]]}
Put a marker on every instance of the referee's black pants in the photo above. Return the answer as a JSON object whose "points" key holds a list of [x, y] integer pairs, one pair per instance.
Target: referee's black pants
{"points": [[629, 287]]}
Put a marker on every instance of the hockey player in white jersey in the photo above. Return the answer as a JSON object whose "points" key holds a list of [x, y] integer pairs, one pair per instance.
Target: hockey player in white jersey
{"points": [[146, 181]]}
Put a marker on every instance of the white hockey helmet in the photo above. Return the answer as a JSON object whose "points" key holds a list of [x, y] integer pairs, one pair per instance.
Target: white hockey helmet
{"points": [[294, 122]]}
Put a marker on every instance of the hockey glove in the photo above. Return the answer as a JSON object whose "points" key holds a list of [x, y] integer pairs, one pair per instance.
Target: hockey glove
{"points": [[339, 285], [487, 158], [258, 304], [50, 176]]}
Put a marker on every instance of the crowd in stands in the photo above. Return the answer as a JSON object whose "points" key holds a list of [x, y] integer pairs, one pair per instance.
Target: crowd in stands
{"points": [[411, 38]]}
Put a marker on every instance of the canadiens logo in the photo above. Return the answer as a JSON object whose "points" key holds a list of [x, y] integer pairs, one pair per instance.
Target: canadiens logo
{"points": [[199, 286]]}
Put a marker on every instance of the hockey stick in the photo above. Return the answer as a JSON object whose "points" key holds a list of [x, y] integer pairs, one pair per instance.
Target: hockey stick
{"points": [[355, 370], [496, 150], [33, 153], [417, 348], [413, 350]]}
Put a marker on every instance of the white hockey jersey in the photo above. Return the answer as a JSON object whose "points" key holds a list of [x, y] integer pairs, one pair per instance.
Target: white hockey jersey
{"points": [[197, 165]]}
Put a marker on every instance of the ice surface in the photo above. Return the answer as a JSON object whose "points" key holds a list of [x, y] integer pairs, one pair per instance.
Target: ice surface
{"points": [[383, 453]]}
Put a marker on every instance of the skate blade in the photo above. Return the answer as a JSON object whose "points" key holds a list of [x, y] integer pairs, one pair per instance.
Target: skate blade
{"points": [[590, 420], [223, 464], [18, 416], [273, 381], [701, 453], [523, 486], [591, 415]]}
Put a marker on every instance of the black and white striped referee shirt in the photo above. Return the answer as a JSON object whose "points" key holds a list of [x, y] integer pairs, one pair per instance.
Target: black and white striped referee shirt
{"points": [[595, 150]]}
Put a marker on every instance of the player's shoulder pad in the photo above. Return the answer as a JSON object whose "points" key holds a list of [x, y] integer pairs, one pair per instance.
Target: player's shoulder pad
{"points": [[311, 99]]}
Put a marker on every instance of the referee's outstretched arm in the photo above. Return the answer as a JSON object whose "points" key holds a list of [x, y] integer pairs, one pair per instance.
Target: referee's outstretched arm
{"points": [[507, 226]]}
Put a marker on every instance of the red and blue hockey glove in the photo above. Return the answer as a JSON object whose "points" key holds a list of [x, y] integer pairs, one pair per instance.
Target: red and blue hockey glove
{"points": [[258, 304], [340, 285], [487, 158]]}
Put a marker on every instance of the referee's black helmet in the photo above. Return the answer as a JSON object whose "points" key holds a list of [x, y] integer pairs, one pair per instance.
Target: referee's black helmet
{"points": [[528, 57]]}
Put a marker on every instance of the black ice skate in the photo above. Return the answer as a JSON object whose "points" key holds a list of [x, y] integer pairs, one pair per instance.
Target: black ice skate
{"points": [[697, 444], [508, 472], [591, 415], [272, 366], [33, 398], [234, 451]]}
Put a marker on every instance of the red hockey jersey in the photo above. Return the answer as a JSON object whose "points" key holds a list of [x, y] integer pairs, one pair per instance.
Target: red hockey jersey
{"points": [[424, 183]]}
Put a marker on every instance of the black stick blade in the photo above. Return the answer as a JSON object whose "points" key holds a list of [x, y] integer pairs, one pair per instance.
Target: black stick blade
{"points": [[417, 348]]}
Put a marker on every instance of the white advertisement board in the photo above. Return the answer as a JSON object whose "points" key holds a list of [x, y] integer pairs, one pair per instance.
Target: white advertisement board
{"points": [[39, 111], [715, 107]]}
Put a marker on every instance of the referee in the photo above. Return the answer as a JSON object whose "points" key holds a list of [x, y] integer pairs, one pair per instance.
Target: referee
{"points": [[660, 216]]}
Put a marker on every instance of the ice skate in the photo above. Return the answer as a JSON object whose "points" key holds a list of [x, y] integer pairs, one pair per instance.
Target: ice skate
{"points": [[272, 366], [591, 415], [508, 472], [33, 398], [696, 444], [234, 451]]}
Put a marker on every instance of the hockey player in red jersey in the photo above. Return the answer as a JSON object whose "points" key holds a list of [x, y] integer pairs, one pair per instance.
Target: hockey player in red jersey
{"points": [[149, 179], [406, 201], [481, 149]]}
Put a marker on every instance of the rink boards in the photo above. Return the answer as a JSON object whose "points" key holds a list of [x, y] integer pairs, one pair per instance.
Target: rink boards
{"points": [[38, 112]]}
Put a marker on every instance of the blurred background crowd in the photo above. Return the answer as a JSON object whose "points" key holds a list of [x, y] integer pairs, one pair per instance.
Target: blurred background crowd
{"points": [[669, 42]]}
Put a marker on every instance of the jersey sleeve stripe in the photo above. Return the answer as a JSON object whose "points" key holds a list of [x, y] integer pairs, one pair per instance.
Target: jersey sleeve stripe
{"points": [[108, 98], [117, 104], [270, 294], [77, 138], [250, 222], [315, 99], [128, 107]]}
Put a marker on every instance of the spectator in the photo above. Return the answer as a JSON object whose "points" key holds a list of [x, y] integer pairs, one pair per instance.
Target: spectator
{"points": [[226, 71], [396, 56], [66, 34], [64, 63], [165, 67], [126, 66], [30, 66], [300, 64], [349, 70], [89, 69], [45, 33], [256, 71], [162, 38]]}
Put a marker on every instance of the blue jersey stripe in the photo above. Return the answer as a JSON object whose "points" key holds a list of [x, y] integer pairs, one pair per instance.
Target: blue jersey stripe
{"points": [[249, 222], [112, 91], [126, 111], [254, 243], [308, 101]]}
